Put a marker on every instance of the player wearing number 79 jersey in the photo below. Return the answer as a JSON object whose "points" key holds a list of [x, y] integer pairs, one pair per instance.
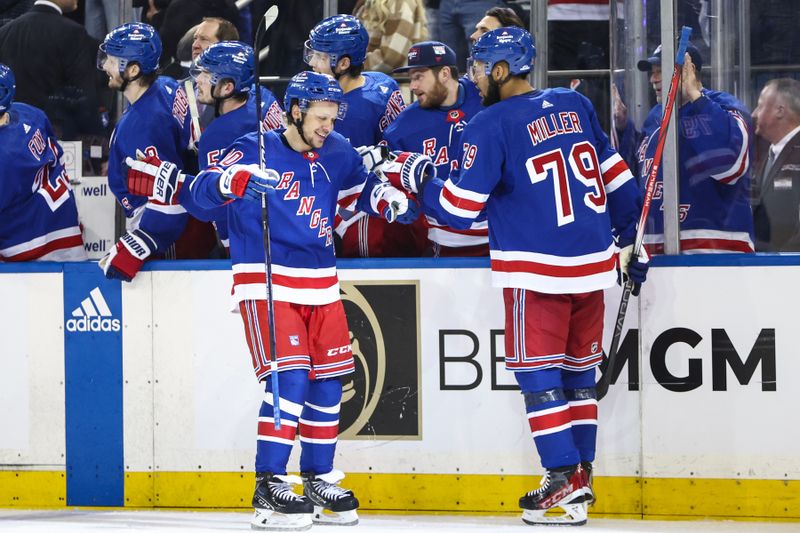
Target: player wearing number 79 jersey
{"points": [[556, 195]]}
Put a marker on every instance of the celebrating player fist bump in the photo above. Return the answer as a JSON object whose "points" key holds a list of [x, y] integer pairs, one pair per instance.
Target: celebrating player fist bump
{"points": [[156, 179], [408, 171], [395, 205]]}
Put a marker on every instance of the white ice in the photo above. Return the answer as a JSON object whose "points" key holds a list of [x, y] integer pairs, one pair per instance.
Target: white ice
{"points": [[74, 521]]}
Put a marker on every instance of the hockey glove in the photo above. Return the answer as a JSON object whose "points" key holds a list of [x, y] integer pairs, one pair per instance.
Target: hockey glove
{"points": [[127, 257], [373, 156], [247, 181], [394, 205], [407, 171], [633, 267], [151, 177]]}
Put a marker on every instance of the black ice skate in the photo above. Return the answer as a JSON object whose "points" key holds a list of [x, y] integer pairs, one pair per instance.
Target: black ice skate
{"points": [[563, 487], [277, 507], [332, 504], [587, 468]]}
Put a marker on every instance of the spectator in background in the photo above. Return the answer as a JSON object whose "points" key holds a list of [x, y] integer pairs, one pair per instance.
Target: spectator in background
{"points": [[153, 11], [713, 167], [457, 19], [776, 183], [53, 60], [100, 16], [432, 14], [393, 26], [11, 9], [496, 17], [183, 14]]}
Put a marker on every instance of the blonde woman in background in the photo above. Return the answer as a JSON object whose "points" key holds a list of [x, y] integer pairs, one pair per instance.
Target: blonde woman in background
{"points": [[393, 26]]}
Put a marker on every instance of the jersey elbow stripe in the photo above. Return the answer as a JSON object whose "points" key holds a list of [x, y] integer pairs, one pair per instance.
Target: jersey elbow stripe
{"points": [[463, 198], [742, 163]]}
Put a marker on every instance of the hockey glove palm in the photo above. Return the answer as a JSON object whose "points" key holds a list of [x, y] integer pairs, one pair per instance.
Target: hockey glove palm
{"points": [[633, 267], [247, 181], [408, 171], [394, 205], [127, 257], [151, 177], [373, 156]]}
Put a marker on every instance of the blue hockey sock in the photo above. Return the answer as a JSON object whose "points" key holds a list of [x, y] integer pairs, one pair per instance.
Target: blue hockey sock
{"points": [[273, 447], [319, 425]]}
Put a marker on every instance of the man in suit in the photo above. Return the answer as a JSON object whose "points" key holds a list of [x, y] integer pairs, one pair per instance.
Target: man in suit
{"points": [[776, 184], [53, 59]]}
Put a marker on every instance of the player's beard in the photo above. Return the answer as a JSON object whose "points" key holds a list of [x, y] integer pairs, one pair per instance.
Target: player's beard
{"points": [[435, 97], [492, 93]]}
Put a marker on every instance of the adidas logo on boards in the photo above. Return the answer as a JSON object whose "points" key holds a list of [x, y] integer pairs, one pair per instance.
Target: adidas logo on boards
{"points": [[93, 315]]}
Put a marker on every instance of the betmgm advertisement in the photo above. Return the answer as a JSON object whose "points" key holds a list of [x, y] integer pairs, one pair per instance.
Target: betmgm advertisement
{"points": [[382, 398]]}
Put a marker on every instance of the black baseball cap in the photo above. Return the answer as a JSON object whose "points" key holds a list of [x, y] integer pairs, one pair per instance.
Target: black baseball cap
{"points": [[429, 54], [645, 65]]}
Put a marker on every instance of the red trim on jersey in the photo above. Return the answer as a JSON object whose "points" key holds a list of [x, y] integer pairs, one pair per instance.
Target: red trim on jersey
{"points": [[319, 432], [462, 203], [730, 245], [614, 172], [347, 200], [63, 243], [557, 271], [285, 281], [550, 420], [472, 232]]}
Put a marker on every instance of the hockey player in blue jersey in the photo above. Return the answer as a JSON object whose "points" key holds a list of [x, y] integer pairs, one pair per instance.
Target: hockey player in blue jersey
{"points": [[714, 164], [555, 194], [38, 215], [338, 46], [225, 78], [311, 170], [156, 123], [432, 126]]}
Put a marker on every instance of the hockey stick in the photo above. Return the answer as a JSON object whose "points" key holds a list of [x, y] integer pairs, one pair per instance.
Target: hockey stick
{"points": [[188, 86], [269, 19], [605, 379]]}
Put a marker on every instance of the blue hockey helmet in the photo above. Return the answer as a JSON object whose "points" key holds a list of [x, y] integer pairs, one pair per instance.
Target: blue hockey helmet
{"points": [[8, 87], [308, 87], [338, 36], [228, 60], [132, 42], [512, 45]]}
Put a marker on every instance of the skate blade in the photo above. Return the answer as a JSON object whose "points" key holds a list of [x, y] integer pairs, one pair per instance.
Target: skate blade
{"points": [[575, 514], [266, 520], [323, 516]]}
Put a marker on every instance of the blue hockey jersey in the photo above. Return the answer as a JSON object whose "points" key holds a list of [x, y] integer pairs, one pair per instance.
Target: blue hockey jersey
{"points": [[553, 189], [437, 134], [301, 212], [221, 133], [158, 123], [714, 170], [38, 215], [370, 109]]}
